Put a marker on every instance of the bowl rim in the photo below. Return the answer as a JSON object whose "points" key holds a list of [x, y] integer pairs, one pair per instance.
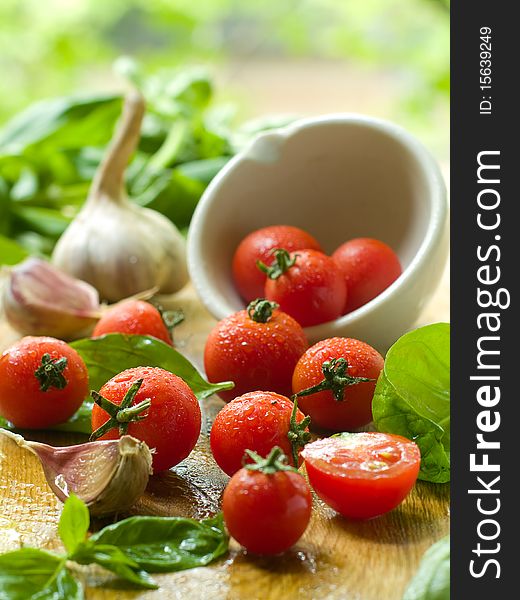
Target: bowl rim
{"points": [[436, 197]]}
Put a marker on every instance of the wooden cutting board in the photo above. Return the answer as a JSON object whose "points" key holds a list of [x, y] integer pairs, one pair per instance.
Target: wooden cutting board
{"points": [[336, 558]]}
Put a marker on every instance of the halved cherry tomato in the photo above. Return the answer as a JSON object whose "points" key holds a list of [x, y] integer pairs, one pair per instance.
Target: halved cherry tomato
{"points": [[257, 421], [369, 267], [133, 317], [307, 285], [152, 405], [267, 505], [258, 245], [43, 382], [362, 475], [335, 381], [256, 348]]}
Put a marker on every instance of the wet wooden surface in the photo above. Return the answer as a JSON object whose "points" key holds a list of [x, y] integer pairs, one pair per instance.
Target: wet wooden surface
{"points": [[335, 559]]}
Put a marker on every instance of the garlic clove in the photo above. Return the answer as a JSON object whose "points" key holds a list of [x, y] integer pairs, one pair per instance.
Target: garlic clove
{"points": [[115, 245], [109, 475], [39, 299]]}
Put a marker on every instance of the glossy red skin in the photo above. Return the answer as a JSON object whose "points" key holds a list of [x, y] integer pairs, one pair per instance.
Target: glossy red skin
{"points": [[267, 514], [312, 291], [256, 356], [259, 245], [360, 493], [326, 412], [133, 317], [369, 267], [21, 400], [256, 421], [172, 424]]}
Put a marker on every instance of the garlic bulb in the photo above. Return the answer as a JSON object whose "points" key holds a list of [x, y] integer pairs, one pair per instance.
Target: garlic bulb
{"points": [[38, 299], [117, 246], [109, 476]]}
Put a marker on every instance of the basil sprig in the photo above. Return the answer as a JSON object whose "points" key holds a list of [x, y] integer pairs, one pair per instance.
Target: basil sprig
{"points": [[130, 549]]}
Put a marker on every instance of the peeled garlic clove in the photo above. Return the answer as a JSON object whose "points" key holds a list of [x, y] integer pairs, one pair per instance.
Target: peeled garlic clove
{"points": [[117, 246], [39, 299], [109, 475]]}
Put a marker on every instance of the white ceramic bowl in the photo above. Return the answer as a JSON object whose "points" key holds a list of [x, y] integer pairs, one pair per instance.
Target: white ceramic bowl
{"points": [[338, 177]]}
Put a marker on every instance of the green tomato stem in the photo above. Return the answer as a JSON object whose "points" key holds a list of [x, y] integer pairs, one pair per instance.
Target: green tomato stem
{"points": [[336, 380]]}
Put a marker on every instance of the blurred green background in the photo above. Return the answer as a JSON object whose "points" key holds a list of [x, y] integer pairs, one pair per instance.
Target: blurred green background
{"points": [[388, 58]]}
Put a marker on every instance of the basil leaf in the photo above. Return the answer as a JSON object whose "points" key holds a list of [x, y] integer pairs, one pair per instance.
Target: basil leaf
{"points": [[432, 580], [28, 574], [113, 559], [11, 252], [64, 122], [412, 396], [110, 354], [74, 522], [162, 544], [64, 587]]}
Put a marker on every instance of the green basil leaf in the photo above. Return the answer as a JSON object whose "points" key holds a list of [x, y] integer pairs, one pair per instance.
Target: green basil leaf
{"points": [[74, 522], [11, 253], [63, 122], [64, 587], [28, 573], [162, 544], [412, 396], [432, 580], [113, 559], [110, 354]]}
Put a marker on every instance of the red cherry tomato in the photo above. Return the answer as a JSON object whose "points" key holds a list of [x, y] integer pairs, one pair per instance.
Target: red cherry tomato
{"points": [[256, 348], [43, 382], [362, 475], [267, 510], [257, 421], [307, 285], [168, 408], [343, 400], [258, 245], [133, 317], [369, 267]]}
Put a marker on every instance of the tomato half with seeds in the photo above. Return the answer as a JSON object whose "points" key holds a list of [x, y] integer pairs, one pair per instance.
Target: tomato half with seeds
{"points": [[362, 475], [259, 245]]}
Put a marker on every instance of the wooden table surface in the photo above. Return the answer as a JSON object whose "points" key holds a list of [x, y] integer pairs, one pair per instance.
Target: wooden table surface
{"points": [[335, 559]]}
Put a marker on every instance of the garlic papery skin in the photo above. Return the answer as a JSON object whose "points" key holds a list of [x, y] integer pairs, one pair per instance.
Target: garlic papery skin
{"points": [[39, 299], [119, 247], [108, 475]]}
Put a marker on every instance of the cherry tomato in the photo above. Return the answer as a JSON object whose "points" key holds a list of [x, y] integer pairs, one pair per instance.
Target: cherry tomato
{"points": [[152, 405], [335, 381], [362, 475], [258, 245], [266, 507], [307, 285], [43, 382], [256, 348], [369, 267], [257, 421], [133, 317]]}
